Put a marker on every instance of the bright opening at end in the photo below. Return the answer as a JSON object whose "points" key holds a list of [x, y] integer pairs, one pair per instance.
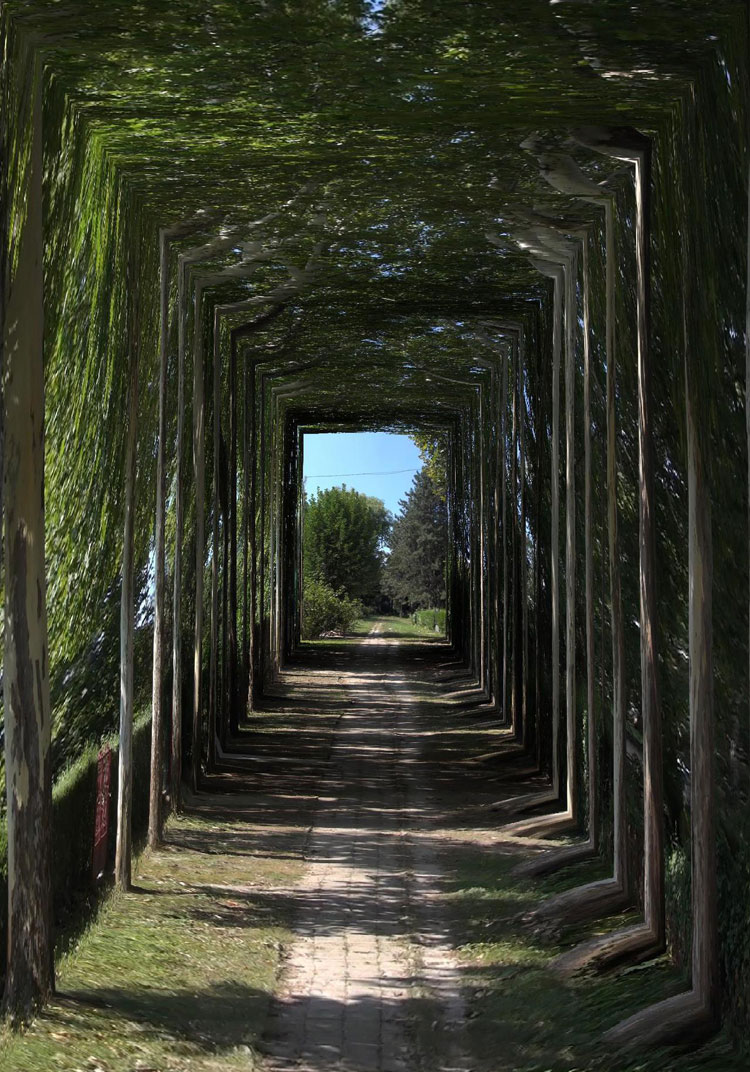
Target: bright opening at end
{"points": [[374, 535]]}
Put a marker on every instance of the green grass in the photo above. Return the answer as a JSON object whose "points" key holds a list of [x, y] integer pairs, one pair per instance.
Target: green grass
{"points": [[175, 975], [522, 1018], [393, 626]]}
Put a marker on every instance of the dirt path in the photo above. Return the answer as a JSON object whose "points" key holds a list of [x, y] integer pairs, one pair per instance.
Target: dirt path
{"points": [[370, 983]]}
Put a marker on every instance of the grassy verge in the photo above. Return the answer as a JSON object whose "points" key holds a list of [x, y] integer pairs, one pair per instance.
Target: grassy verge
{"points": [[521, 1016], [177, 974], [392, 626]]}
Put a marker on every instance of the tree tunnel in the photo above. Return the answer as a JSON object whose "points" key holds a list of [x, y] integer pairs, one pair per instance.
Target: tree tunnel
{"points": [[522, 226]]}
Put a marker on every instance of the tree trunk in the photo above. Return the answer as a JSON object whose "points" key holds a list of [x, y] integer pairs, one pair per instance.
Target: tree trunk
{"points": [[179, 509], [621, 874], [199, 466], [222, 711], [540, 430], [571, 273], [608, 895], [483, 616], [702, 775], [157, 731], [127, 608], [653, 790], [693, 1014], [504, 534], [555, 535], [263, 623], [592, 737], [253, 545], [232, 489], [747, 361], [645, 939], [497, 675], [242, 699], [213, 687], [30, 965], [515, 631], [525, 726]]}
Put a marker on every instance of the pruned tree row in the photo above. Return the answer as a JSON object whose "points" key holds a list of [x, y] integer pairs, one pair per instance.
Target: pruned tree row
{"points": [[534, 259]]}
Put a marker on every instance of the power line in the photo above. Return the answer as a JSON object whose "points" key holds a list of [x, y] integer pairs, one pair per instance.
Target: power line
{"points": [[386, 472]]}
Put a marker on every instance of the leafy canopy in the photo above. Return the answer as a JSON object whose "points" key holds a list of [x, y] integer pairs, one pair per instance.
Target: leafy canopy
{"points": [[343, 540]]}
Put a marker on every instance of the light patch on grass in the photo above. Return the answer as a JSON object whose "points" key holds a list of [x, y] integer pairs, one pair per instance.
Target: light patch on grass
{"points": [[175, 975]]}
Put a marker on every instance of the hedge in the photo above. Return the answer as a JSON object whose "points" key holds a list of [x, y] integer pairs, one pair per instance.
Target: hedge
{"points": [[73, 818], [430, 619]]}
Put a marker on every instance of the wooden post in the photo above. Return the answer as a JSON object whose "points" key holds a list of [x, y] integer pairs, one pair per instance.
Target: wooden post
{"points": [[127, 603], [157, 730], [30, 965]]}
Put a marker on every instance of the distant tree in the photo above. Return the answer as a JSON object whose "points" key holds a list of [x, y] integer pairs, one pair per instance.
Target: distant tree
{"points": [[433, 450], [415, 570], [344, 538]]}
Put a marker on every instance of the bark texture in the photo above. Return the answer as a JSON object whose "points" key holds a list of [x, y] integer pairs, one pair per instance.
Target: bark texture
{"points": [[571, 273], [157, 718], [179, 508], [30, 966], [555, 532], [213, 686], [127, 615], [621, 875], [199, 468], [592, 736]]}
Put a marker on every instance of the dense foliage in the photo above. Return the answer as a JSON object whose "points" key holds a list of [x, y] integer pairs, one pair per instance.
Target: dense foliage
{"points": [[326, 611], [415, 570], [343, 538], [433, 450], [369, 185], [430, 619]]}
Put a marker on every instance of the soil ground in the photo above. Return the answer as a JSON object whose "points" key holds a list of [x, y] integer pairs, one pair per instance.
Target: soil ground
{"points": [[342, 896]]}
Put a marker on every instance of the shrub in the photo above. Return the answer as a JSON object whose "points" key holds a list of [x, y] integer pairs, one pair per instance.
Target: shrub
{"points": [[430, 619], [326, 611]]}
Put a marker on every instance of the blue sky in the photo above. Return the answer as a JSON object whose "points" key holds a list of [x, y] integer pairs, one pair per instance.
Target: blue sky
{"points": [[332, 459]]}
